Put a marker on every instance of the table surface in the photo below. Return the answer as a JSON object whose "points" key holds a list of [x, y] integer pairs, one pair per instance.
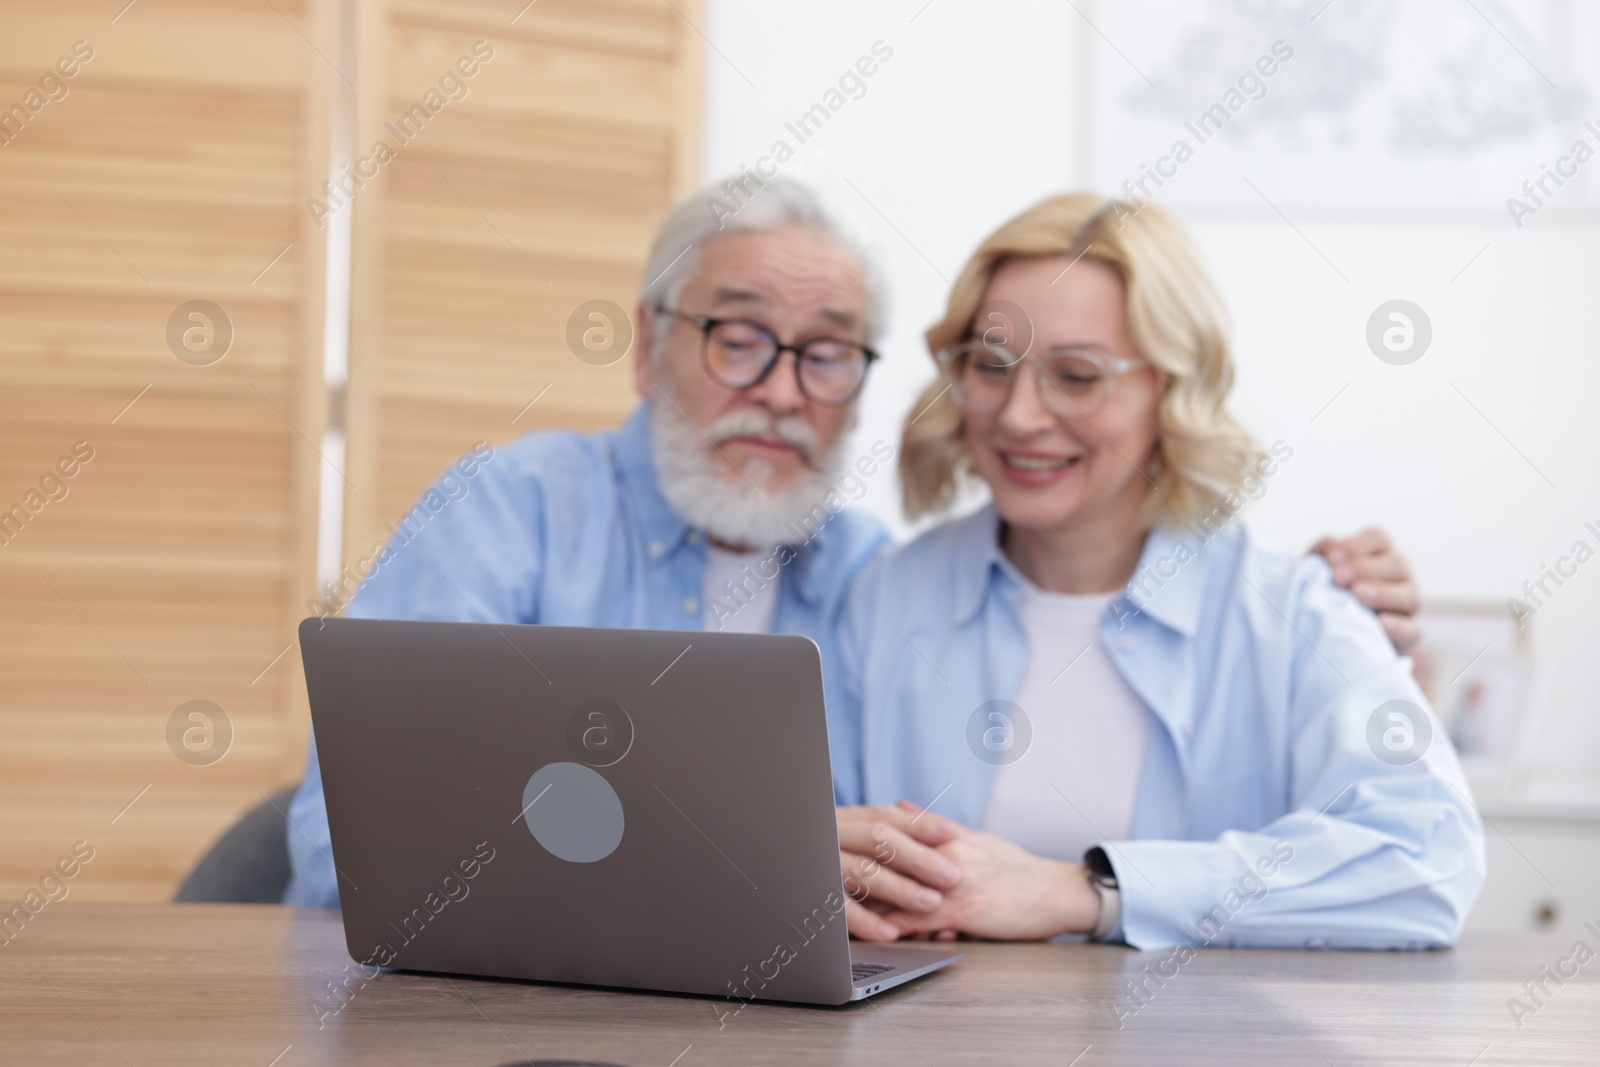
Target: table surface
{"points": [[88, 984]]}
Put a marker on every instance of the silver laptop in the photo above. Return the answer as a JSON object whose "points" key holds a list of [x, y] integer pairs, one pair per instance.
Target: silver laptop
{"points": [[650, 809]]}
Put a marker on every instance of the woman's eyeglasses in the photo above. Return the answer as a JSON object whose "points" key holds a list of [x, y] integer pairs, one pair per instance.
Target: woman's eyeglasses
{"points": [[1072, 382], [739, 353]]}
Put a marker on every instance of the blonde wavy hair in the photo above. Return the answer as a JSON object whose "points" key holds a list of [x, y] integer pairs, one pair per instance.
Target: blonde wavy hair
{"points": [[1177, 320]]}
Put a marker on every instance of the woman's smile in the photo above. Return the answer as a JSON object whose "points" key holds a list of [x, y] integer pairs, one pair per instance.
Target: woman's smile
{"points": [[1026, 467]]}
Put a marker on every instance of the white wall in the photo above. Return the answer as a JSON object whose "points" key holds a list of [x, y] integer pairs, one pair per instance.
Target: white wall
{"points": [[978, 114], [937, 144]]}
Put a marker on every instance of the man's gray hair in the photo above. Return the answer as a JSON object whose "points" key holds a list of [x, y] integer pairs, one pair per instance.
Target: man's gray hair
{"points": [[744, 203]]}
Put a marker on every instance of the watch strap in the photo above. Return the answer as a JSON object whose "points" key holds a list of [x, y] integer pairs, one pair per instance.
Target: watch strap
{"points": [[1104, 878]]}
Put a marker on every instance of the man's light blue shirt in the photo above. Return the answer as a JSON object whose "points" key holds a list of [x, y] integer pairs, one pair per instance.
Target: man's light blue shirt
{"points": [[568, 529], [1262, 815]]}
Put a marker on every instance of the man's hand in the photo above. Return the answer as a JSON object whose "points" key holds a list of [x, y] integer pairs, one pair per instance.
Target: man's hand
{"points": [[1006, 894], [1380, 578], [890, 863]]}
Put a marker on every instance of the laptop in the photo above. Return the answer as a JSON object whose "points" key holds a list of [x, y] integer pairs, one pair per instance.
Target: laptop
{"points": [[649, 809]]}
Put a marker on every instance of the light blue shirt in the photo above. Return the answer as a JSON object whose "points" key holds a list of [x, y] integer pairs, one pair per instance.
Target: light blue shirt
{"points": [[567, 529], [1263, 815]]}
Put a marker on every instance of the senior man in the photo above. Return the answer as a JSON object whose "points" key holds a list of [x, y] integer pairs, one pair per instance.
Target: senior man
{"points": [[717, 503]]}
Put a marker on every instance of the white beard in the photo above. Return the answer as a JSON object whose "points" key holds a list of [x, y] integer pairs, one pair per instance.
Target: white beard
{"points": [[733, 510]]}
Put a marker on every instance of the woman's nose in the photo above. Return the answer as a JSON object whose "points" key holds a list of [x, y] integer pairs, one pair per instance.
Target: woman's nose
{"points": [[1024, 411]]}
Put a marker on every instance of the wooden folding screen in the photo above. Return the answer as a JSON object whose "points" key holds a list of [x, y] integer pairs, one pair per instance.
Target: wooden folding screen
{"points": [[171, 166], [163, 220], [533, 193]]}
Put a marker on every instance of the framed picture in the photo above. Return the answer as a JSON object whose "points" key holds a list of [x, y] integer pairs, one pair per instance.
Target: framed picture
{"points": [[1476, 667], [1333, 110]]}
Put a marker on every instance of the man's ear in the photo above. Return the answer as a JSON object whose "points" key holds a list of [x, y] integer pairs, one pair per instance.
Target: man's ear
{"points": [[644, 346]]}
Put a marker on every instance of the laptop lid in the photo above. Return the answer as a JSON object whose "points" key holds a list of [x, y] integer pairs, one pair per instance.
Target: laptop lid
{"points": [[640, 808]]}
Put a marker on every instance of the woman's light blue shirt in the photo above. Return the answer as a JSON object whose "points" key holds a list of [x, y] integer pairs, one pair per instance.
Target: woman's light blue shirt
{"points": [[1264, 815]]}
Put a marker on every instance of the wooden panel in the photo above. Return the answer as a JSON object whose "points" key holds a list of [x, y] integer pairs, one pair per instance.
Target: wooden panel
{"points": [[179, 558], [535, 192]]}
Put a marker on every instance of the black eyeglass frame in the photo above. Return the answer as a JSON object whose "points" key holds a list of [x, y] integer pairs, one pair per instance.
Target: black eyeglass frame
{"points": [[705, 324]]}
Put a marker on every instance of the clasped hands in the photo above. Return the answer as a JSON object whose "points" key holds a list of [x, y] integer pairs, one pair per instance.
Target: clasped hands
{"points": [[911, 872]]}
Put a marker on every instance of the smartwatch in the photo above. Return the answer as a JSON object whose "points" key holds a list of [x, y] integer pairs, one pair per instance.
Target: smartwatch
{"points": [[1104, 880]]}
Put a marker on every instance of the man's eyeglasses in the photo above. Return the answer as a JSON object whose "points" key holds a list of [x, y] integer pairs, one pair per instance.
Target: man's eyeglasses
{"points": [[739, 353], [1072, 382]]}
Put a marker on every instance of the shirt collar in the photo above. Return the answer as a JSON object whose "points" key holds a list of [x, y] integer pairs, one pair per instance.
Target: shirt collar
{"points": [[1167, 584], [979, 561], [814, 566]]}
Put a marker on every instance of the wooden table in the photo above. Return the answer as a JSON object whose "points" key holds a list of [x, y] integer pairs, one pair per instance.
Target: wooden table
{"points": [[87, 984]]}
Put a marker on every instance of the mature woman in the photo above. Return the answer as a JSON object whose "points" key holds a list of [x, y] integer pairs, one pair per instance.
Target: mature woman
{"points": [[1101, 706]]}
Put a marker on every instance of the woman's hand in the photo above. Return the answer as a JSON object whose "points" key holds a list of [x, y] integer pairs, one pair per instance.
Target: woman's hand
{"points": [[1005, 894], [890, 863]]}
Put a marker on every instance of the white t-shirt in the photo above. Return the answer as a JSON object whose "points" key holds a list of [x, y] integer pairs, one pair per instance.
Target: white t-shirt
{"points": [[1075, 784], [737, 598]]}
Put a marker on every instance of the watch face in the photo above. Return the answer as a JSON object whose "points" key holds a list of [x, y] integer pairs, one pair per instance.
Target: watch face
{"points": [[1099, 866]]}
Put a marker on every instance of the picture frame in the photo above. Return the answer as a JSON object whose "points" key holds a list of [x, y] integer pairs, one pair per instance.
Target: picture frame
{"points": [[1476, 666]]}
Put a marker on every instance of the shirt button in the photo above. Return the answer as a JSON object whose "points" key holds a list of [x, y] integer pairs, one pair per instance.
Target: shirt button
{"points": [[656, 548], [1127, 644], [690, 605], [694, 537]]}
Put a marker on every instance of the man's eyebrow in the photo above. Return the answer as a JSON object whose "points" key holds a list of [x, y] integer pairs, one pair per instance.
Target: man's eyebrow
{"points": [[727, 295], [842, 318]]}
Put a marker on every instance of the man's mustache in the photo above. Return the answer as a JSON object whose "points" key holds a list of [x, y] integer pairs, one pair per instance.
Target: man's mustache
{"points": [[790, 428]]}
